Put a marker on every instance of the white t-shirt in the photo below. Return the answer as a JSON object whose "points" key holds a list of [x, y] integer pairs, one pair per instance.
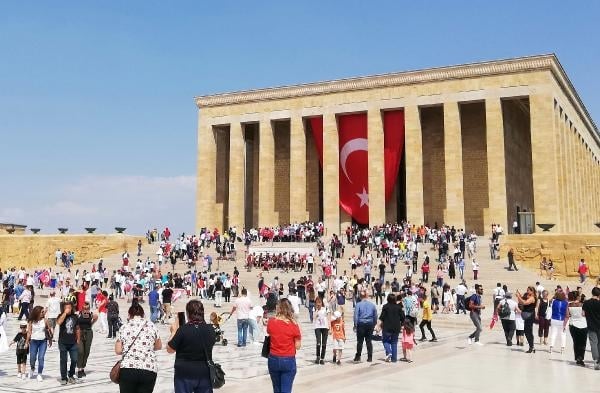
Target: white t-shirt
{"points": [[320, 318], [513, 307], [243, 306], [53, 306], [461, 290], [295, 301]]}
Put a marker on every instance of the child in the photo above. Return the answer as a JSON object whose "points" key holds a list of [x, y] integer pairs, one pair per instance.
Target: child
{"points": [[21, 340], [408, 339], [216, 320], [520, 327], [338, 333]]}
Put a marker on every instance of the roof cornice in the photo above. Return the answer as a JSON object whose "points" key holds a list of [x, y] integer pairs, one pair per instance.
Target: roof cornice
{"points": [[473, 70]]}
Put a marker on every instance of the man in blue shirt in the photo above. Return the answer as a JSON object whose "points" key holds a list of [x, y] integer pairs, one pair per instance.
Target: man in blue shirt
{"points": [[153, 302], [475, 307], [365, 317]]}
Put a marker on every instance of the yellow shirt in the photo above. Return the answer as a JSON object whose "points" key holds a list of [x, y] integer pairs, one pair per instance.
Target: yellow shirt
{"points": [[427, 311]]}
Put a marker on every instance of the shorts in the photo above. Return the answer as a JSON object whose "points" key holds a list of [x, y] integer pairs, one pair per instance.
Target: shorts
{"points": [[22, 357], [338, 344], [435, 301]]}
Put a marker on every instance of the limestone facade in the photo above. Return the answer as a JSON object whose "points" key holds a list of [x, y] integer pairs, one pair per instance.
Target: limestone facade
{"points": [[485, 143]]}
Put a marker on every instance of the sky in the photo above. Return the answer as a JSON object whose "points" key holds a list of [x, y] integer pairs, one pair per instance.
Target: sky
{"points": [[97, 117]]}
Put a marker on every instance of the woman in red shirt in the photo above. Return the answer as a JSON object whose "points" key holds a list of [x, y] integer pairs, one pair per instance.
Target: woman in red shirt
{"points": [[285, 340]]}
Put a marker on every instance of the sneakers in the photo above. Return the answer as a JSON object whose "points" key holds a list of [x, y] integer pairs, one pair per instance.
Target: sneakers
{"points": [[388, 358], [339, 363], [356, 359], [23, 377], [322, 361], [433, 340], [597, 366], [39, 378], [369, 359], [470, 341], [63, 382], [72, 380], [478, 343]]}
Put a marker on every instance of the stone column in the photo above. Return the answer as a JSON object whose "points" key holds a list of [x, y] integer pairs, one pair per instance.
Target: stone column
{"points": [[331, 175], [454, 214], [545, 180], [298, 212], [207, 175], [497, 210], [237, 153], [413, 150], [376, 167], [266, 174]]}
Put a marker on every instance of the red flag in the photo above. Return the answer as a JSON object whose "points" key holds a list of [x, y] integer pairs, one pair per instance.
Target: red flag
{"points": [[393, 142], [354, 175]]}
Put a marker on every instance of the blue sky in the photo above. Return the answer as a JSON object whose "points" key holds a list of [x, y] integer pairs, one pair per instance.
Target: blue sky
{"points": [[97, 119]]}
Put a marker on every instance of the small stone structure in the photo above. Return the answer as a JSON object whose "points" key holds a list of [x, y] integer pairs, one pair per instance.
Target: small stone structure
{"points": [[14, 229]]}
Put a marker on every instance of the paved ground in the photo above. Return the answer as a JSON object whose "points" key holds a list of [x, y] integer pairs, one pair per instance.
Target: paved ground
{"points": [[450, 364]]}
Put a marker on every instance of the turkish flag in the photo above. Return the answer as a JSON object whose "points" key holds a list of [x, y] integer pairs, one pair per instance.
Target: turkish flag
{"points": [[354, 170], [354, 167]]}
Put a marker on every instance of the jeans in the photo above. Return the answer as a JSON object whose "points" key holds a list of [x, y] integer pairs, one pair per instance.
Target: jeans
{"points": [[529, 331], [556, 328], [390, 344], [476, 319], [422, 327], [509, 330], [282, 370], [321, 335], [311, 309], [113, 326], [200, 384], [37, 350], [579, 341], [595, 344], [24, 311], [133, 380], [254, 330], [83, 348], [460, 304], [242, 326], [364, 331], [154, 313], [65, 349]]}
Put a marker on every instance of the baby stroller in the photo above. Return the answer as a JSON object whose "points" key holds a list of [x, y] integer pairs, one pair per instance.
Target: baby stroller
{"points": [[217, 321]]}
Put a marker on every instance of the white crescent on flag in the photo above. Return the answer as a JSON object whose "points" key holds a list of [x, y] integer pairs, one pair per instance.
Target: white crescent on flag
{"points": [[350, 147]]}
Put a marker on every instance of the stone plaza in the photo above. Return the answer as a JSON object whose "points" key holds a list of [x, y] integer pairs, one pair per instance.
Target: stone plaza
{"points": [[437, 366]]}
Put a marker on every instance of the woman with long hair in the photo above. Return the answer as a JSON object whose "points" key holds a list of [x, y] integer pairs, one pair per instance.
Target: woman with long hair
{"points": [[137, 341], [85, 320], [558, 323], [192, 344], [528, 302], [285, 338], [321, 326], [37, 341], [577, 327]]}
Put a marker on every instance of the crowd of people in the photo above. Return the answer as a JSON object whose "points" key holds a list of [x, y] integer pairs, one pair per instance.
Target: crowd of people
{"points": [[390, 290]]}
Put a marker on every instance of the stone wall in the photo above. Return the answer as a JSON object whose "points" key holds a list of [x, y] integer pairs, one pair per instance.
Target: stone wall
{"points": [[475, 165], [564, 250], [38, 250], [434, 171]]}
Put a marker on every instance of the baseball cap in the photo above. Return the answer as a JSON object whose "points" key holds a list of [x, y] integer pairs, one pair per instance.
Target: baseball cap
{"points": [[336, 315]]}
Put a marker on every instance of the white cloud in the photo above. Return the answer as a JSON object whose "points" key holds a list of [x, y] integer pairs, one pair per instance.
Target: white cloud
{"points": [[135, 202]]}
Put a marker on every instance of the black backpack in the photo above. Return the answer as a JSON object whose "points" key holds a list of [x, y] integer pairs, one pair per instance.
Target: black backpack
{"points": [[468, 303], [504, 311]]}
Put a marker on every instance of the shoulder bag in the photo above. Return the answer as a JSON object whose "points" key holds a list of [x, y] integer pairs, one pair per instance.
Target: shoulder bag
{"points": [[266, 348], [115, 371], [217, 375]]}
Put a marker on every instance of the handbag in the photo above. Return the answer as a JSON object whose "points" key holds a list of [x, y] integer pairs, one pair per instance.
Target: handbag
{"points": [[115, 371], [217, 375], [266, 348]]}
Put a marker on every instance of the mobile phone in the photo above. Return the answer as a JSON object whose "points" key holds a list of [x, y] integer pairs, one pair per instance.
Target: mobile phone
{"points": [[181, 318]]}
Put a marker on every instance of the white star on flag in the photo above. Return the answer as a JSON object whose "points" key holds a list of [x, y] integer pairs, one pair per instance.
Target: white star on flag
{"points": [[364, 197]]}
